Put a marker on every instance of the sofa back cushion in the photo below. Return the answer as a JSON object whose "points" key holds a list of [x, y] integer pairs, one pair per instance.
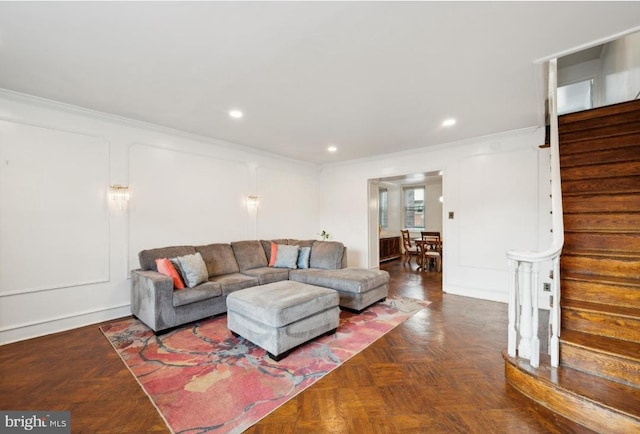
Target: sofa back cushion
{"points": [[326, 255], [249, 254], [148, 258], [219, 259], [300, 243]]}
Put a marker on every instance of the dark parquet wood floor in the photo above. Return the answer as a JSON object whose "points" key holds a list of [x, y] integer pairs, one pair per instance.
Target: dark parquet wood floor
{"points": [[440, 371]]}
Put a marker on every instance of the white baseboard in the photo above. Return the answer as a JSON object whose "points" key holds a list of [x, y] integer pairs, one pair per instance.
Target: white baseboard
{"points": [[476, 293], [22, 332]]}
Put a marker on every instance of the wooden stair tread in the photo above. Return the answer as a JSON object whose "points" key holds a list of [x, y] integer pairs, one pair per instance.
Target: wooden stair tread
{"points": [[603, 279], [624, 311], [635, 230], [601, 253], [603, 344], [605, 393]]}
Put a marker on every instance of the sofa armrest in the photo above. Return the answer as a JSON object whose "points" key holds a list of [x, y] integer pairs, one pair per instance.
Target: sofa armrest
{"points": [[152, 298]]}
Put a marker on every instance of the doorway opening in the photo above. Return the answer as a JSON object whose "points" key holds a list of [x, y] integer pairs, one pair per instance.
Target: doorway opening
{"points": [[413, 202]]}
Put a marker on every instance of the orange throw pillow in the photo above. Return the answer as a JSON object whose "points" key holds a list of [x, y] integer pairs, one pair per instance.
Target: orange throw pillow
{"points": [[166, 267], [274, 254]]}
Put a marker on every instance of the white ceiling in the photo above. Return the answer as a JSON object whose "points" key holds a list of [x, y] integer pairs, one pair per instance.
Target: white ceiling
{"points": [[368, 77]]}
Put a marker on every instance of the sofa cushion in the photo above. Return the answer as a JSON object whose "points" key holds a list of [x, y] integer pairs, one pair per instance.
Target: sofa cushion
{"points": [[148, 257], [300, 243], [249, 254], [268, 274], [165, 267], [219, 259], [201, 292], [234, 282], [326, 255], [354, 280], [194, 269]]}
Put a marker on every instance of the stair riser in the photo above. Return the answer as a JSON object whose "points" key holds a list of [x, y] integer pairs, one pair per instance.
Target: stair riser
{"points": [[603, 186], [583, 132], [605, 242], [598, 119], [615, 155], [602, 222], [627, 168], [596, 292], [603, 365], [590, 145], [567, 404], [624, 203], [602, 266], [602, 324]]}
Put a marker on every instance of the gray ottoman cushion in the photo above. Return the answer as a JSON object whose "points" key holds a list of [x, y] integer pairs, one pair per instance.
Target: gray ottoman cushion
{"points": [[281, 303], [282, 315]]}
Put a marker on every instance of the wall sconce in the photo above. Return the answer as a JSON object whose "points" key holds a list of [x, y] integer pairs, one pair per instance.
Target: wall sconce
{"points": [[252, 202], [120, 195]]}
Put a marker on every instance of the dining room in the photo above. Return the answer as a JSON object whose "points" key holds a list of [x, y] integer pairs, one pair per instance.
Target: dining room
{"points": [[409, 218]]}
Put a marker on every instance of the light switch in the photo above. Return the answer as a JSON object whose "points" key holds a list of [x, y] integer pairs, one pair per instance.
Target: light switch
{"points": [[450, 215]]}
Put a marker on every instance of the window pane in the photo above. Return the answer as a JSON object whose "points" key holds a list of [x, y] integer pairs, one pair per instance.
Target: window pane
{"points": [[414, 207], [383, 209]]}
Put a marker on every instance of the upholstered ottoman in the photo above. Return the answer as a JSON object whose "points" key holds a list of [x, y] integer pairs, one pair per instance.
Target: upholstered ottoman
{"points": [[358, 287], [280, 316]]}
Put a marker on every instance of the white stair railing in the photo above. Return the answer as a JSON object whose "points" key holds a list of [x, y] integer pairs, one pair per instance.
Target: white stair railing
{"points": [[523, 340]]}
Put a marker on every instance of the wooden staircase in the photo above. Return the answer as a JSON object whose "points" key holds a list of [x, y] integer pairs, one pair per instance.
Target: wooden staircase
{"points": [[598, 382]]}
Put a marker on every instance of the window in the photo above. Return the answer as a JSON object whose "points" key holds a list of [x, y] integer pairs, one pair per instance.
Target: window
{"points": [[413, 207], [575, 97], [383, 208]]}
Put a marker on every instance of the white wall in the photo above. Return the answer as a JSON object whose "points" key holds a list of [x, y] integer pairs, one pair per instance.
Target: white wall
{"points": [[66, 252], [491, 184], [621, 69]]}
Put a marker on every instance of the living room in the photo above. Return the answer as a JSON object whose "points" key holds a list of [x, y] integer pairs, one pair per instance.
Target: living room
{"points": [[67, 249]]}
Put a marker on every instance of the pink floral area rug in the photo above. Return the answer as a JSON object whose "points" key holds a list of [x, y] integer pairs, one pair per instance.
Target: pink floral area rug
{"points": [[203, 379]]}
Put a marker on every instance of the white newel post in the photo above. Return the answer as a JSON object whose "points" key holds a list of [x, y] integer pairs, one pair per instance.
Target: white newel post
{"points": [[554, 342], [535, 340], [524, 347]]}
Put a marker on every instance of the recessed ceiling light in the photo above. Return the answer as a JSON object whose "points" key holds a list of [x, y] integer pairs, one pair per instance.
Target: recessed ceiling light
{"points": [[236, 114], [332, 148], [448, 122]]}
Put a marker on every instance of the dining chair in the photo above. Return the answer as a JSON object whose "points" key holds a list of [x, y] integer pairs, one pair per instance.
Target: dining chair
{"points": [[410, 249], [431, 250]]}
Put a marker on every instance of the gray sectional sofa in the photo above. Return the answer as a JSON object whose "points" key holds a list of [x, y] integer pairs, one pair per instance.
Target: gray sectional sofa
{"points": [[239, 265]]}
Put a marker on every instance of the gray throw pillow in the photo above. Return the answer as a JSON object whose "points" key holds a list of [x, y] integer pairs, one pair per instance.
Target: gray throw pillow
{"points": [[194, 269], [303, 257], [287, 256]]}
